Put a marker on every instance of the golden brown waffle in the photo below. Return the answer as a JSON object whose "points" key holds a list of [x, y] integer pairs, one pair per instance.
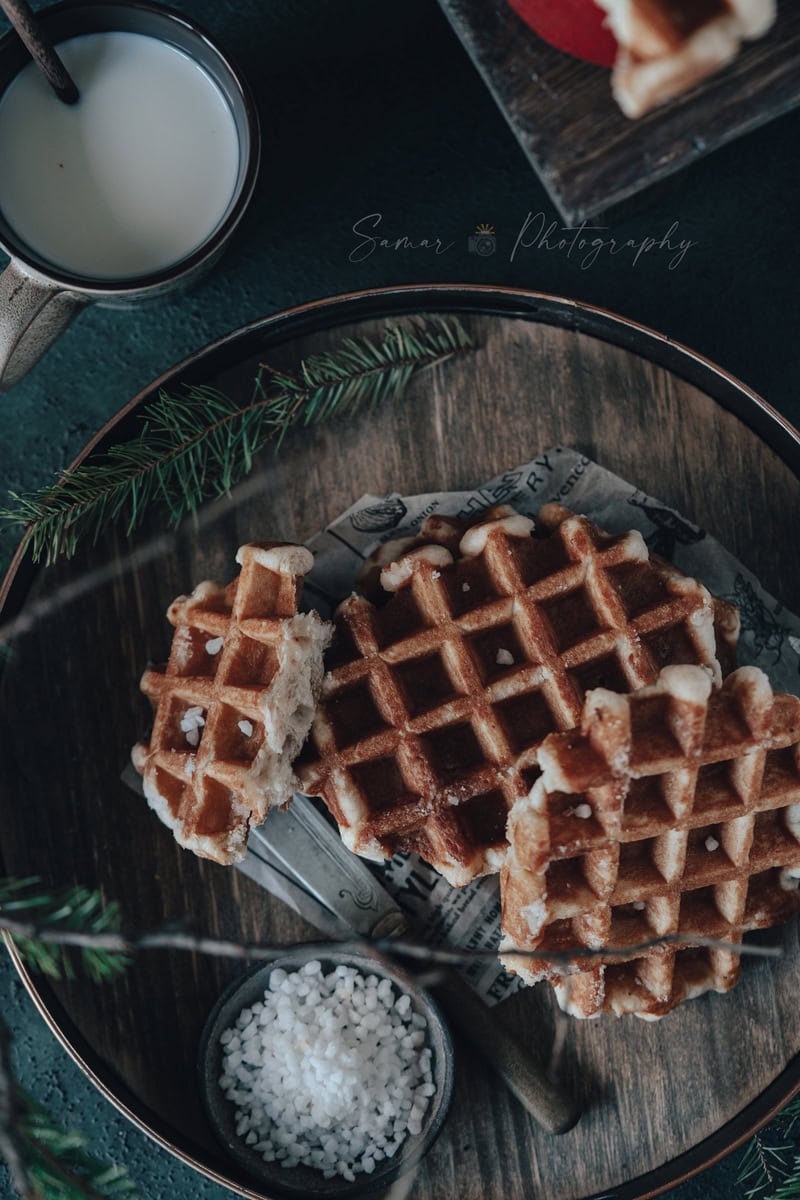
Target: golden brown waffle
{"points": [[436, 702], [234, 703], [673, 811], [667, 46], [726, 615], [448, 531]]}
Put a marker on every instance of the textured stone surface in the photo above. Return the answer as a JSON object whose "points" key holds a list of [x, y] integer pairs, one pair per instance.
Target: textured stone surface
{"points": [[370, 108]]}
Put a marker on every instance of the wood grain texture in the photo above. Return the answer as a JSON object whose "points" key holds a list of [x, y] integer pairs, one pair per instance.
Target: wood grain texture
{"points": [[586, 153], [71, 705]]}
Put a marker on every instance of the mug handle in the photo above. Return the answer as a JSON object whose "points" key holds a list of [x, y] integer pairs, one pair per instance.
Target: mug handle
{"points": [[32, 316]]}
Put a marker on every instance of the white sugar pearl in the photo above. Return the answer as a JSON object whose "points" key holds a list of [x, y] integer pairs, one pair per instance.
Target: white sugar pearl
{"points": [[327, 1070]]}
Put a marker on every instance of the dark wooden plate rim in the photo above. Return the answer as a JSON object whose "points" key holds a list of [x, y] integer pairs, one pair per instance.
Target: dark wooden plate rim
{"points": [[347, 308]]}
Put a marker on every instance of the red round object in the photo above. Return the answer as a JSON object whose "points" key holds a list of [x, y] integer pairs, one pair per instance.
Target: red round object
{"points": [[575, 26]]}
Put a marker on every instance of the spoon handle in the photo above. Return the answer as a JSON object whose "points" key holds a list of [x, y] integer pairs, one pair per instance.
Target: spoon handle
{"points": [[41, 49], [547, 1101]]}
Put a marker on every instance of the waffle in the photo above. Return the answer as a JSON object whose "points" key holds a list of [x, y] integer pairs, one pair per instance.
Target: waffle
{"points": [[727, 624], [448, 531], [673, 811], [437, 701], [234, 703], [667, 46]]}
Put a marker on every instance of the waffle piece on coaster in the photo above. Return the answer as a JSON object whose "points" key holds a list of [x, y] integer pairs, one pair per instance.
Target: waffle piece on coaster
{"points": [[673, 811], [234, 703], [668, 46], [437, 701]]}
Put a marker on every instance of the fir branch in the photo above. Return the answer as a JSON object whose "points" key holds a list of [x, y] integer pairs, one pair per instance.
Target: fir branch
{"points": [[47, 1162], [58, 1165], [69, 910], [790, 1188], [762, 1167], [199, 444], [50, 1164], [790, 1115], [767, 1167]]}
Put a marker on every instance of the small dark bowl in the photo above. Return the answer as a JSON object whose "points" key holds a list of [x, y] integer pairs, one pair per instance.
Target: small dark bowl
{"points": [[301, 1182]]}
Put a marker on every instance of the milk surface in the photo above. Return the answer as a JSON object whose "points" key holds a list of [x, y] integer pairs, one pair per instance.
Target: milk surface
{"points": [[133, 177]]}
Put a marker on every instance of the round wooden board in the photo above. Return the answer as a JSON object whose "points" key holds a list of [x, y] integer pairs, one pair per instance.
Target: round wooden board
{"points": [[72, 710]]}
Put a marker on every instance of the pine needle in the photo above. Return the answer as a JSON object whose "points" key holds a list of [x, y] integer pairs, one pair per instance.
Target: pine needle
{"points": [[197, 445], [73, 908], [55, 1163], [791, 1114], [762, 1167], [58, 1165], [790, 1188], [770, 1165]]}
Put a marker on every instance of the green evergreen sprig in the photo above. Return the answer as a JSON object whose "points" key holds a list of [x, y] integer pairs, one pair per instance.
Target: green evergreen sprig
{"points": [[790, 1188], [58, 1165], [770, 1165], [46, 1161], [73, 908], [197, 445], [49, 1163]]}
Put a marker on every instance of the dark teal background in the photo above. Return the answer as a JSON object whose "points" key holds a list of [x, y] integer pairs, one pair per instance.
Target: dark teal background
{"points": [[368, 107]]}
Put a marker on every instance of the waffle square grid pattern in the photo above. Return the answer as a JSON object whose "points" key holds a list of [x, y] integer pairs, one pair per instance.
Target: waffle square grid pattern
{"points": [[438, 699], [233, 703], [674, 811]]}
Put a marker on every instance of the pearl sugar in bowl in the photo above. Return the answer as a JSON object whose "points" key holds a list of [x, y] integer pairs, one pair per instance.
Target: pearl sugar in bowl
{"points": [[326, 1076]]}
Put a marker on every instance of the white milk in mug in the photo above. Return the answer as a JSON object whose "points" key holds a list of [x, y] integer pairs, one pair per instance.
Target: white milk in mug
{"points": [[131, 179]]}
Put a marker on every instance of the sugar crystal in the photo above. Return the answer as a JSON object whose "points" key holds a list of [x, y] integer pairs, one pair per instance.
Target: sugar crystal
{"points": [[328, 1071]]}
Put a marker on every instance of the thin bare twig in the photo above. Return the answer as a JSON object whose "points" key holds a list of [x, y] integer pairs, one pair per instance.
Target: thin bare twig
{"points": [[170, 938], [144, 552]]}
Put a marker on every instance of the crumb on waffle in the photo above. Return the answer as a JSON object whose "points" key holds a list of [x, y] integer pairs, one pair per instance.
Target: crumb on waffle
{"points": [[234, 702]]}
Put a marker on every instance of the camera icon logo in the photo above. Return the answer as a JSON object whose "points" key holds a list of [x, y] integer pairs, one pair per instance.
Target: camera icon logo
{"points": [[482, 241]]}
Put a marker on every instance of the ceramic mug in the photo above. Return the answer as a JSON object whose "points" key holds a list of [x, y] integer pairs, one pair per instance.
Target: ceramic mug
{"points": [[115, 256]]}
